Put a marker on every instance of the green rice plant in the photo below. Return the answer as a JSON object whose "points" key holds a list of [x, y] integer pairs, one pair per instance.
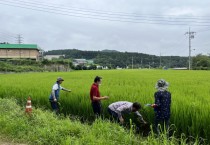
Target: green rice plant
{"points": [[190, 93]]}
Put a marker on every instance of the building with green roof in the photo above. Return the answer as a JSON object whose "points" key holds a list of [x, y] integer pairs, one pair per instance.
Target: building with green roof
{"points": [[19, 51]]}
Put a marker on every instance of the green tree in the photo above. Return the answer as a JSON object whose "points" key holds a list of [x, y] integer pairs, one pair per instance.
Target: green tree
{"points": [[201, 62]]}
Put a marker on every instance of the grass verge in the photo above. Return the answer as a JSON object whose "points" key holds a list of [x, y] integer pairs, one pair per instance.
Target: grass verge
{"points": [[43, 127]]}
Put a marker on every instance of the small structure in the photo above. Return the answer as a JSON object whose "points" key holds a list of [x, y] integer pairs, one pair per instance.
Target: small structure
{"points": [[50, 57], [19, 51], [79, 62], [118, 67], [181, 68]]}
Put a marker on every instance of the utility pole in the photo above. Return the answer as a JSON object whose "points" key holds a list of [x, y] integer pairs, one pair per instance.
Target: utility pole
{"points": [[170, 62], [160, 60], [190, 36], [153, 62], [141, 62], [19, 39], [132, 62]]}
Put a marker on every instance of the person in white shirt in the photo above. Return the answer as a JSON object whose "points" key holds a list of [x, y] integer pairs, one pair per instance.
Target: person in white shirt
{"points": [[117, 109], [54, 96]]}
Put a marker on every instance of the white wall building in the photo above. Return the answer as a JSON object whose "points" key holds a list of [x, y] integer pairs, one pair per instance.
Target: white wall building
{"points": [[50, 57]]}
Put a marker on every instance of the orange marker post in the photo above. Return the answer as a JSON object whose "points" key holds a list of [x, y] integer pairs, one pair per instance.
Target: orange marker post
{"points": [[28, 106]]}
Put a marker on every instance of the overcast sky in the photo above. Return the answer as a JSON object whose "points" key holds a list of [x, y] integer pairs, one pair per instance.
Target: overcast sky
{"points": [[55, 31]]}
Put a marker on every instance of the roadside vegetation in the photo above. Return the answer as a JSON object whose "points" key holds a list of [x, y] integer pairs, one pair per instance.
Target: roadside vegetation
{"points": [[17, 65], [44, 127]]}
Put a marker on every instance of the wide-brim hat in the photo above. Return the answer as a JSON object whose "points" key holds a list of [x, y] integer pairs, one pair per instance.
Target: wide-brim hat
{"points": [[162, 84]]}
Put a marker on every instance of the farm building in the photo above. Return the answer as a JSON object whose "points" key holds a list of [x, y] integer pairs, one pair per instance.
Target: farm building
{"points": [[79, 62], [19, 51], [51, 57]]}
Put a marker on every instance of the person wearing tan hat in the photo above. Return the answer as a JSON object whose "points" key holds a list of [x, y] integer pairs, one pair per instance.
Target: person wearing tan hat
{"points": [[54, 96]]}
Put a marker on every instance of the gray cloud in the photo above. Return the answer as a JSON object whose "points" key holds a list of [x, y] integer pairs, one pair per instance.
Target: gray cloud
{"points": [[52, 31]]}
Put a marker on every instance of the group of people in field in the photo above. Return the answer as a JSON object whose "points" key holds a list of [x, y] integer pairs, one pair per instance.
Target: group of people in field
{"points": [[118, 109]]}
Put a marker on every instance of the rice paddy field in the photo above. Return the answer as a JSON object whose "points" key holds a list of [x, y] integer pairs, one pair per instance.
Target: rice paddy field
{"points": [[190, 94]]}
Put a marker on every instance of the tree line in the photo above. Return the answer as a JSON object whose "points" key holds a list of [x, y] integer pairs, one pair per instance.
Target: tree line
{"points": [[201, 62], [110, 59], [113, 59]]}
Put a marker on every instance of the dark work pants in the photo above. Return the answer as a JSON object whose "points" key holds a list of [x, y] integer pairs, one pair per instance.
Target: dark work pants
{"points": [[164, 123], [97, 108], [113, 114], [55, 107]]}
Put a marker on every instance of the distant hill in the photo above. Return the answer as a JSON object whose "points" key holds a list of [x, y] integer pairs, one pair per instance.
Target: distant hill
{"points": [[122, 59]]}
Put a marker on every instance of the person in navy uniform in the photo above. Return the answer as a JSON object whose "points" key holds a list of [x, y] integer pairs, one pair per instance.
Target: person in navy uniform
{"points": [[55, 93], [162, 105]]}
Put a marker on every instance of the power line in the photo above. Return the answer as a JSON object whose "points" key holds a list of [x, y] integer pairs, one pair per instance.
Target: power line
{"points": [[6, 37], [114, 13], [3, 39], [204, 30], [110, 15], [7, 34], [38, 8]]}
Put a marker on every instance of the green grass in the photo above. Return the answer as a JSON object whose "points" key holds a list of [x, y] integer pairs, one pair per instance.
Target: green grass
{"points": [[43, 127], [190, 93]]}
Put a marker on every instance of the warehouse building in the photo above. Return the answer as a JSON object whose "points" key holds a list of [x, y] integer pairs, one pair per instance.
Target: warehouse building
{"points": [[19, 51]]}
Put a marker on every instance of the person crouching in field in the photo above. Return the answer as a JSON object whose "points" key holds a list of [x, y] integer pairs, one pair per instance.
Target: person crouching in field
{"points": [[54, 96], [95, 96], [117, 109], [162, 105]]}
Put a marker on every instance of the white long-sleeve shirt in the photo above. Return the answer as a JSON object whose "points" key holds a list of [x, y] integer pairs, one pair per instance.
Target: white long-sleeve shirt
{"points": [[123, 107]]}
